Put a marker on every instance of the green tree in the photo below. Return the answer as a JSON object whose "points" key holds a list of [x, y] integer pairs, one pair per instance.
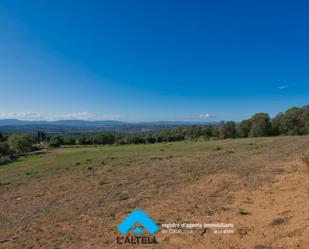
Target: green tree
{"points": [[40, 137], [21, 143], [306, 119], [243, 129], [207, 131], [260, 125], [160, 139], [104, 138], [68, 140], [83, 140], [138, 140], [150, 140], [195, 132], [215, 131], [56, 141], [276, 125], [4, 149], [227, 130], [293, 122]]}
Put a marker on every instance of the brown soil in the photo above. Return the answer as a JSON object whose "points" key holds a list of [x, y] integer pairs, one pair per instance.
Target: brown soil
{"points": [[73, 210]]}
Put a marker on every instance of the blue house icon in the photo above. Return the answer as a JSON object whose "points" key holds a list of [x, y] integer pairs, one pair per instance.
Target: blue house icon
{"points": [[137, 216]]}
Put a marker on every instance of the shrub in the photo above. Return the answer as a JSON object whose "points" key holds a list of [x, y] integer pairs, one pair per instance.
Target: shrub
{"points": [[151, 140], [56, 141], [21, 143], [4, 149]]}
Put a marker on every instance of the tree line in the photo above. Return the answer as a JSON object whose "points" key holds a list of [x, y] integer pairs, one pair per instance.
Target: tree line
{"points": [[294, 121]]}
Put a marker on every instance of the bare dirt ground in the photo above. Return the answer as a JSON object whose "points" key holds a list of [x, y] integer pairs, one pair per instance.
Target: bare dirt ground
{"points": [[75, 197]]}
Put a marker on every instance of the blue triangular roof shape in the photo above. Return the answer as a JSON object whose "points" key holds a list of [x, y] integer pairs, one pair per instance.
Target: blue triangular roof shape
{"points": [[137, 230], [137, 216]]}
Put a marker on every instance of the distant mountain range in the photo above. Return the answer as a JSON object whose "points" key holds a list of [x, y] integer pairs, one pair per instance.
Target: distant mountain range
{"points": [[83, 126], [10, 122]]}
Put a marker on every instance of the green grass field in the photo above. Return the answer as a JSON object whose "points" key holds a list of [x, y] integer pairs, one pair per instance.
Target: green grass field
{"points": [[72, 158]]}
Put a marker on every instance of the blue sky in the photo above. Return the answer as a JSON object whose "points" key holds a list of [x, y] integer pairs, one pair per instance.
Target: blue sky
{"points": [[152, 60]]}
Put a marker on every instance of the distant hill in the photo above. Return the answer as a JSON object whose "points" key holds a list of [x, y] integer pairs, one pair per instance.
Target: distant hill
{"points": [[87, 123], [83, 126], [10, 122]]}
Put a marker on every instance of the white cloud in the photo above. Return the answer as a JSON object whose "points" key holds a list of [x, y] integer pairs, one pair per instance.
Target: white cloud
{"points": [[190, 118], [204, 116], [285, 86], [21, 115], [70, 116], [86, 116], [32, 116]]}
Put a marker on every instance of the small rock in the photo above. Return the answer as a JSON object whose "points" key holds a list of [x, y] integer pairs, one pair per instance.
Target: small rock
{"points": [[124, 196]]}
